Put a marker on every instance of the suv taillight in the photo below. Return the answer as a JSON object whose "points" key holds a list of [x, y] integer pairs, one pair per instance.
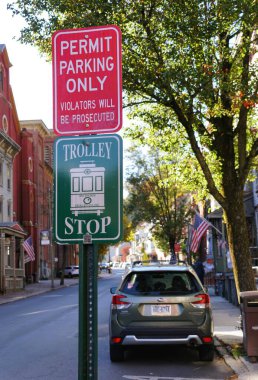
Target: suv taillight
{"points": [[118, 302], [202, 302]]}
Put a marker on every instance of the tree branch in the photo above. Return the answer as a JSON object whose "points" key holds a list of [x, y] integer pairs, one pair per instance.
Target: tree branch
{"points": [[248, 162]]}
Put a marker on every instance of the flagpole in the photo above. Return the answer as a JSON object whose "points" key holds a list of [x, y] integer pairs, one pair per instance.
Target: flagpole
{"points": [[189, 243], [216, 229], [209, 223]]}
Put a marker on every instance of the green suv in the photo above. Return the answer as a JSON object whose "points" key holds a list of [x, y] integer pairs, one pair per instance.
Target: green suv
{"points": [[160, 304]]}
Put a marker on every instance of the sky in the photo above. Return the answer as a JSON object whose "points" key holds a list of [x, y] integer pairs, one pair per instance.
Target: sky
{"points": [[30, 74]]}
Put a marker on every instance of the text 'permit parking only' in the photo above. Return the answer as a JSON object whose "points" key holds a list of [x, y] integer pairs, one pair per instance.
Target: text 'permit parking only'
{"points": [[87, 80]]}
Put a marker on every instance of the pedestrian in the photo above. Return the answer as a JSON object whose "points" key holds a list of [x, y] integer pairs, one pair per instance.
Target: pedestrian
{"points": [[199, 269]]}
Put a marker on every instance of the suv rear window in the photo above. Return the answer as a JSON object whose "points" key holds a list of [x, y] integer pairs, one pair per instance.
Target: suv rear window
{"points": [[163, 282]]}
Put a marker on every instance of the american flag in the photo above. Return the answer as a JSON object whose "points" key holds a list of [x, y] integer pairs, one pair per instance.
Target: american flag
{"points": [[27, 245], [199, 228]]}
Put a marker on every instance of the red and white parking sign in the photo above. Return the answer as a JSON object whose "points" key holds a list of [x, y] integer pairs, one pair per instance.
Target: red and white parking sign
{"points": [[87, 80]]}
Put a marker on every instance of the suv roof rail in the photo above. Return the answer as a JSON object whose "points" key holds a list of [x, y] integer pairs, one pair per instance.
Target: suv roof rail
{"points": [[158, 262]]}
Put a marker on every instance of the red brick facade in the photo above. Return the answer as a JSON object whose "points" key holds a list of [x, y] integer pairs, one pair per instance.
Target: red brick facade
{"points": [[11, 232], [26, 151]]}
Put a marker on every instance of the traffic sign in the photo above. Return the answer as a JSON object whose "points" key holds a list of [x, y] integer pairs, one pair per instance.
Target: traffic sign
{"points": [[88, 188], [87, 80]]}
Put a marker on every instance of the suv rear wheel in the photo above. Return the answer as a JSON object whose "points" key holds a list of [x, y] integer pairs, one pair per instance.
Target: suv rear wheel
{"points": [[116, 353], [206, 353]]}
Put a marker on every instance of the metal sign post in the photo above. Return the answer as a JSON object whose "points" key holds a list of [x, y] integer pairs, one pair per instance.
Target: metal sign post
{"points": [[88, 210], [88, 315], [87, 99]]}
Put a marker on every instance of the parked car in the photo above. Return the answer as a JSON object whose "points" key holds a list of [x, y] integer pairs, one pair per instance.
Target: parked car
{"points": [[116, 265], [105, 266], [71, 271], [160, 304]]}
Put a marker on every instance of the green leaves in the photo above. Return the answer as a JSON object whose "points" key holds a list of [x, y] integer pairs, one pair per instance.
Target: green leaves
{"points": [[196, 61], [193, 58], [157, 194]]}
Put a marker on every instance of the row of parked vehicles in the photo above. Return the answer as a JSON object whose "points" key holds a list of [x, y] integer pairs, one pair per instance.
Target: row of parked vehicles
{"points": [[73, 270]]}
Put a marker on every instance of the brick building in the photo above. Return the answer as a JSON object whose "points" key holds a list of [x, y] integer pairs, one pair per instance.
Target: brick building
{"points": [[12, 269], [26, 194], [37, 192]]}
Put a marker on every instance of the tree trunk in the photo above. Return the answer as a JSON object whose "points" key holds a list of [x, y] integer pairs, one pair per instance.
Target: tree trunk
{"points": [[239, 244], [172, 241]]}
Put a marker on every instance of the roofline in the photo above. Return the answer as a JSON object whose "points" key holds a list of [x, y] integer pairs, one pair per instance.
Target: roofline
{"points": [[39, 124], [3, 50]]}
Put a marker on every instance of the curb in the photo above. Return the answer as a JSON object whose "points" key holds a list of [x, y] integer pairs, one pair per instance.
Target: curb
{"points": [[238, 365], [251, 367]]}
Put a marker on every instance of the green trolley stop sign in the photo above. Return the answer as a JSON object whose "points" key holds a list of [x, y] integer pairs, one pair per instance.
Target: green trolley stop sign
{"points": [[88, 189]]}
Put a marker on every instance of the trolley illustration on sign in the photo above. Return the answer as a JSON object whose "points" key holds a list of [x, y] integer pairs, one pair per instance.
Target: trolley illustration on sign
{"points": [[87, 189]]}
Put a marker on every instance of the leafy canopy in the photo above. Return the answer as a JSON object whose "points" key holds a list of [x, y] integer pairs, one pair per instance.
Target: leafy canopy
{"points": [[197, 58], [192, 57]]}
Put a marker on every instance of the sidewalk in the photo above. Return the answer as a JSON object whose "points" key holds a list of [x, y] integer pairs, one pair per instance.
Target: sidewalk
{"points": [[229, 337], [36, 288], [227, 331]]}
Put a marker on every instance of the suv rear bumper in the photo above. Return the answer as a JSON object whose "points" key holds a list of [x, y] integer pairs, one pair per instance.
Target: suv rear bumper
{"points": [[132, 340]]}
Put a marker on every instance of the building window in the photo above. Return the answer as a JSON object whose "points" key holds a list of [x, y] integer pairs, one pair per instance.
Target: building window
{"points": [[5, 123], [8, 174], [48, 155], [8, 253], [30, 164], [18, 257], [9, 211]]}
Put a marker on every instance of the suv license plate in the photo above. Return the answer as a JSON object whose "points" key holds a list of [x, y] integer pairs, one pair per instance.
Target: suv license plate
{"points": [[161, 310]]}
